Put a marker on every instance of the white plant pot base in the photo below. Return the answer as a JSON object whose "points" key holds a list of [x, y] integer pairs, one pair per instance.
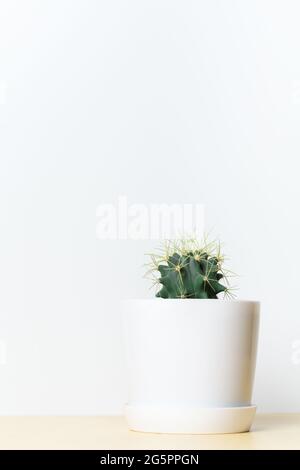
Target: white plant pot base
{"points": [[190, 420]]}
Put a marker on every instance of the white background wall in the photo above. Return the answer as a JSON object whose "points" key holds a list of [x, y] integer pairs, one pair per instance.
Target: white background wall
{"points": [[161, 101]]}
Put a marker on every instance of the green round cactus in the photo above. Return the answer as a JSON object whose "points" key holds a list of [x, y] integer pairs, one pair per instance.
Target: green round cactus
{"points": [[190, 270]]}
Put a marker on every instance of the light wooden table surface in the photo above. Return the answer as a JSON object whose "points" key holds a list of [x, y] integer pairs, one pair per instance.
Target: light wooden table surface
{"points": [[270, 431]]}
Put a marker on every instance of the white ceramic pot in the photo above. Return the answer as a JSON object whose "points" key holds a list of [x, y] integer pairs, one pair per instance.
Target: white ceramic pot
{"points": [[191, 364]]}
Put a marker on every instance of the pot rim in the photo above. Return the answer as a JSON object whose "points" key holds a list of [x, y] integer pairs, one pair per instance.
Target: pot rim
{"points": [[226, 301]]}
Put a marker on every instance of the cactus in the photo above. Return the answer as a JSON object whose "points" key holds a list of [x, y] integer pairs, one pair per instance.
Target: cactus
{"points": [[190, 270]]}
